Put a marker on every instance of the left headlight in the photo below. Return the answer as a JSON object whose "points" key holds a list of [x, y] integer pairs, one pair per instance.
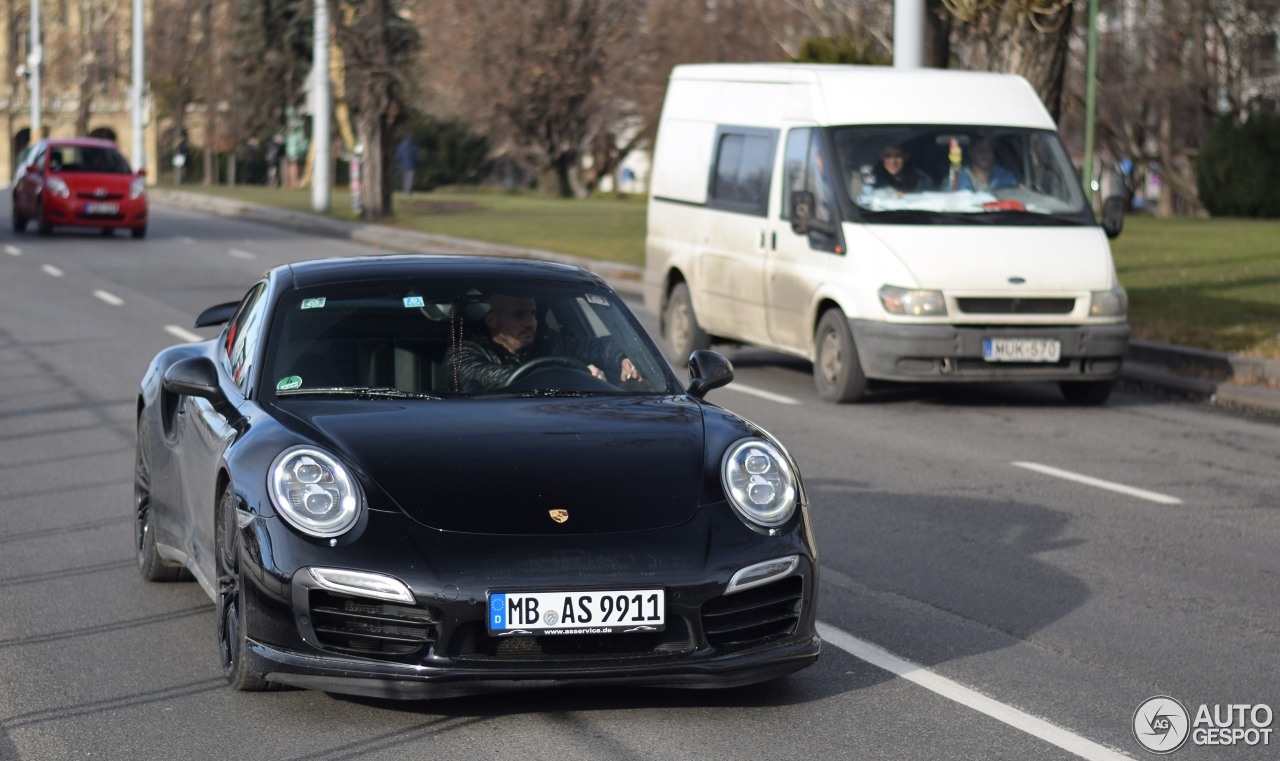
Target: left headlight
{"points": [[137, 188], [759, 482], [1112, 303], [314, 492], [58, 187]]}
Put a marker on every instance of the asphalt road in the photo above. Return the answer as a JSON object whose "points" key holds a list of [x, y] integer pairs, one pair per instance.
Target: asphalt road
{"points": [[1004, 577]]}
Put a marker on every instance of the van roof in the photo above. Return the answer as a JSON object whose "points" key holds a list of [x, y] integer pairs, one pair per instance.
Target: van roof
{"points": [[848, 94]]}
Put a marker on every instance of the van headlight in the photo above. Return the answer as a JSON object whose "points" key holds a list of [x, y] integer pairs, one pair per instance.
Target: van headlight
{"points": [[917, 303], [314, 492], [1112, 303], [760, 482]]}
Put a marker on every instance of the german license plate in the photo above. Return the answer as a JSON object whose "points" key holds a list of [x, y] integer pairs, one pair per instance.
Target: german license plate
{"points": [[612, 612], [1021, 350], [101, 208]]}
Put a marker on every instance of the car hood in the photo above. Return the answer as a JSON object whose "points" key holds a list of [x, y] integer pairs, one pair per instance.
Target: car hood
{"points": [[984, 258], [504, 466], [88, 182]]}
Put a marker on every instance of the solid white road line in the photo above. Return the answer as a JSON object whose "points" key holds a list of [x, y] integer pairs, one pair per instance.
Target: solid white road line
{"points": [[51, 270], [238, 254], [1020, 720], [13, 251], [110, 298], [779, 398], [1163, 499], [182, 333]]}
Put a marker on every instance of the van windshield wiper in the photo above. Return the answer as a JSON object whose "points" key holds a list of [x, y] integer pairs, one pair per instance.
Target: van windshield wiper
{"points": [[358, 392]]}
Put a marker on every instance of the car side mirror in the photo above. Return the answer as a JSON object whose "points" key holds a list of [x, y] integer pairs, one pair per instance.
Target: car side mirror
{"points": [[193, 376], [1113, 216], [708, 370], [801, 211], [216, 315]]}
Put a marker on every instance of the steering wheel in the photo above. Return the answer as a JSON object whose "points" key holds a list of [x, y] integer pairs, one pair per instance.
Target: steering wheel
{"points": [[542, 363]]}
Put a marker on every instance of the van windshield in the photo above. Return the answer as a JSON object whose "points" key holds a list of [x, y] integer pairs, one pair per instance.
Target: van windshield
{"points": [[948, 173]]}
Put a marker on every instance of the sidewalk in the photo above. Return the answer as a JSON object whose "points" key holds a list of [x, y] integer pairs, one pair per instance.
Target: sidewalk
{"points": [[1224, 379]]}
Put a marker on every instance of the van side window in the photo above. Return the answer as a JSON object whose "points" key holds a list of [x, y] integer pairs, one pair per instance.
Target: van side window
{"points": [[742, 171], [805, 167]]}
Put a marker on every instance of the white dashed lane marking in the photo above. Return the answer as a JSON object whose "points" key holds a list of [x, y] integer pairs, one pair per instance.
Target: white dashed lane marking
{"points": [[13, 251], [51, 270], [744, 389], [182, 333], [108, 297], [239, 254], [1020, 720], [1163, 499]]}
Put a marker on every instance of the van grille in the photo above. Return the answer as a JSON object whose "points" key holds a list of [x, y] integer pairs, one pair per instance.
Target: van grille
{"points": [[755, 616], [371, 627], [1016, 306]]}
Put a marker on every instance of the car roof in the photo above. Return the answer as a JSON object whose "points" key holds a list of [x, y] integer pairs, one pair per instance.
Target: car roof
{"points": [[315, 272], [81, 141]]}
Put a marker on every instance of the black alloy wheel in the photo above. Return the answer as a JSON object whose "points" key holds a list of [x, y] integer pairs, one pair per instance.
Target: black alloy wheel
{"points": [[233, 636], [150, 564]]}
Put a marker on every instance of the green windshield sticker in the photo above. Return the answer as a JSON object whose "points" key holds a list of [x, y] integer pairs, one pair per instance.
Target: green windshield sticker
{"points": [[289, 382], [313, 303]]}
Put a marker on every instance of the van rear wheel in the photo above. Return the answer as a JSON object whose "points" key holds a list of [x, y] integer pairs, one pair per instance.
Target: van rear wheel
{"points": [[680, 326], [837, 373]]}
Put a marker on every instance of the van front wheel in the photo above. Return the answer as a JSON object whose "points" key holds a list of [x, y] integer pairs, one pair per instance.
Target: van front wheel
{"points": [[837, 373], [680, 327], [1086, 393]]}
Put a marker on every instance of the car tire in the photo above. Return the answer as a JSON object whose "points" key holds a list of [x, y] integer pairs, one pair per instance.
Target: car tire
{"points": [[150, 564], [837, 372], [233, 632], [19, 221], [1086, 393], [43, 225], [107, 232], [138, 232], [680, 326]]}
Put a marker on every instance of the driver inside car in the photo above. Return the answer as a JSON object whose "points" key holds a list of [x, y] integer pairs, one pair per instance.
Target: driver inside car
{"points": [[507, 338]]}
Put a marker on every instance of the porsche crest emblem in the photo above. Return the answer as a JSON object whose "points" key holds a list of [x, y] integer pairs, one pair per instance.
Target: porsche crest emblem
{"points": [[559, 516]]}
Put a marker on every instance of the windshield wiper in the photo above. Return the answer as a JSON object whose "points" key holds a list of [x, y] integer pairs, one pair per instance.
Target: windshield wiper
{"points": [[359, 392]]}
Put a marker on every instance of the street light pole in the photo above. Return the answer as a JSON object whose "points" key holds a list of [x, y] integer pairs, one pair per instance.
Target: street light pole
{"points": [[908, 34], [136, 90], [320, 109], [35, 61], [1090, 99]]}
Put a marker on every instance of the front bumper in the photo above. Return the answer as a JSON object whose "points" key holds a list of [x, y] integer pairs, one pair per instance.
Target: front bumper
{"points": [[307, 636], [73, 211], [953, 353]]}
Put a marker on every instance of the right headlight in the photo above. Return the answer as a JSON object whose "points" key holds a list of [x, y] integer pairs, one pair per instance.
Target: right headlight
{"points": [[1112, 303], [58, 187], [917, 303], [759, 481], [314, 492]]}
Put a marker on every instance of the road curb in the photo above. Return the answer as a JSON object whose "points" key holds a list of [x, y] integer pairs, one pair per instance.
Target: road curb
{"points": [[1228, 379]]}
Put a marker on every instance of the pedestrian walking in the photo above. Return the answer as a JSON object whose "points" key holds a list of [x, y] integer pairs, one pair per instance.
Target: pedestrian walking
{"points": [[407, 160]]}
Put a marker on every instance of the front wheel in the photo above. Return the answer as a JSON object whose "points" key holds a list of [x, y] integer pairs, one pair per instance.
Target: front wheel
{"points": [[680, 326], [19, 221], [43, 225], [138, 232], [837, 373], [1086, 393], [233, 633]]}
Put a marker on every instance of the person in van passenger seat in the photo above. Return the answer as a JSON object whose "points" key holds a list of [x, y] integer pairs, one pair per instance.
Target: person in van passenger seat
{"points": [[982, 173], [894, 172], [508, 338]]}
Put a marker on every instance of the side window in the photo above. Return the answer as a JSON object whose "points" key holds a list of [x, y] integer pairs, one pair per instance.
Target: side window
{"points": [[806, 168], [743, 170], [242, 337]]}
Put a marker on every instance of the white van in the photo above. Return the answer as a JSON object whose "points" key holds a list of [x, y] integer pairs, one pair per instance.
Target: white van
{"points": [[897, 225]]}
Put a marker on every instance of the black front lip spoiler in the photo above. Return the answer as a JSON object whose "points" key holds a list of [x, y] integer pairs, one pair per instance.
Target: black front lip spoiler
{"points": [[407, 682]]}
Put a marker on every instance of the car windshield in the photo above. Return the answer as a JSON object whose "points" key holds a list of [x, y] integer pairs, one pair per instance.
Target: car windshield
{"points": [[87, 158], [436, 339], [931, 173]]}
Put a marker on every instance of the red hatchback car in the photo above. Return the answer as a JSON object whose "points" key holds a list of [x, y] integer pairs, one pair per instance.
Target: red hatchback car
{"points": [[79, 181]]}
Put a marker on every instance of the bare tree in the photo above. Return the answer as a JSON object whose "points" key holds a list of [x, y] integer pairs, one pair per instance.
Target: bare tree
{"points": [[378, 47]]}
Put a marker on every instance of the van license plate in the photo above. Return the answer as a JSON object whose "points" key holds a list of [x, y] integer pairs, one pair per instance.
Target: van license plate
{"points": [[613, 612], [102, 208], [1021, 350]]}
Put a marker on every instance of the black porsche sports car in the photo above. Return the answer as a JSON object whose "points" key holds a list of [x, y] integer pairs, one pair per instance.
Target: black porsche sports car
{"points": [[371, 520]]}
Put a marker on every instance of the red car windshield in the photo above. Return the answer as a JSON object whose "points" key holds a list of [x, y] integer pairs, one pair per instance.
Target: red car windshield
{"points": [[87, 158]]}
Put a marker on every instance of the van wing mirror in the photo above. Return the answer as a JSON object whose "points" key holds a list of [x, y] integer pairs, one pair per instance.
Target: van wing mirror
{"points": [[801, 211], [1113, 216]]}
